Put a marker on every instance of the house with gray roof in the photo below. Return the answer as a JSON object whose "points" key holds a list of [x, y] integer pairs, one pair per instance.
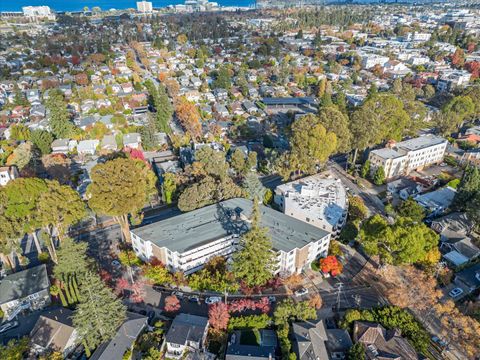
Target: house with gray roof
{"points": [[313, 341], [187, 333], [436, 202], [469, 278], [24, 290], [187, 241], [54, 331], [123, 340], [132, 140]]}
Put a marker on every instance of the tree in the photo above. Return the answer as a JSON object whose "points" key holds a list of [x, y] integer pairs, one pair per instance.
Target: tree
{"points": [[253, 187], [182, 39], [381, 117], [223, 79], [455, 112], [379, 176], [189, 117], [365, 172], [238, 161], [335, 121], [356, 352], [311, 144], [254, 262], [404, 242], [15, 349], [357, 211], [99, 313], [71, 267], [20, 132], [42, 140], [59, 116], [22, 155], [288, 310], [172, 304], [158, 274], [218, 316], [120, 187], [331, 265], [468, 188], [163, 107], [169, 186], [411, 209], [206, 192]]}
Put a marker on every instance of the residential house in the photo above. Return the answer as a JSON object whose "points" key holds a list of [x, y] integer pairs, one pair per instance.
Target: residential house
{"points": [[32, 95], [187, 333], [249, 107], [123, 340], [186, 242], [87, 147], [469, 278], [109, 143], [436, 202], [471, 157], [24, 290], [455, 244], [320, 200], [380, 343], [63, 146], [404, 188], [132, 140], [220, 94], [239, 348], [54, 331], [7, 174], [313, 341]]}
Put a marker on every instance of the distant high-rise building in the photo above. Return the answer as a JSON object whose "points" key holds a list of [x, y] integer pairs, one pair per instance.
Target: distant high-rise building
{"points": [[144, 6], [38, 12]]}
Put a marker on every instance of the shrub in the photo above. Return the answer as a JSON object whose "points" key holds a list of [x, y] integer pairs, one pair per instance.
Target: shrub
{"points": [[249, 322], [44, 257]]}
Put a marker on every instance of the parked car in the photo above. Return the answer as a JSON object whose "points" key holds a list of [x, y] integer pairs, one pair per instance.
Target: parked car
{"points": [[158, 288], [7, 326], [301, 292], [194, 298], [212, 300], [178, 294], [116, 264], [272, 299], [455, 292], [439, 342]]}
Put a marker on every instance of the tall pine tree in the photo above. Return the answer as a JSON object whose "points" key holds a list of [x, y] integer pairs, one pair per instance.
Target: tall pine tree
{"points": [[99, 313], [255, 262]]}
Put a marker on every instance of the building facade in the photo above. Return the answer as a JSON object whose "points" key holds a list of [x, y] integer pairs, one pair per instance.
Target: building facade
{"points": [[186, 242], [7, 174], [409, 155], [144, 6], [320, 200]]}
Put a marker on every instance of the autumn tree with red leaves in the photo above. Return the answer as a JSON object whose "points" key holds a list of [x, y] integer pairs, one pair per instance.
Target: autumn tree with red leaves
{"points": [[218, 316], [473, 67], [331, 265], [172, 303], [458, 58], [81, 79]]}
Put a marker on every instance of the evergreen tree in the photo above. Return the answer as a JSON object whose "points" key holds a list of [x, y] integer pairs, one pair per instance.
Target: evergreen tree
{"points": [[468, 188], [411, 209], [42, 140], [255, 261], [59, 118], [365, 172], [379, 176], [99, 313], [253, 187], [120, 187]]}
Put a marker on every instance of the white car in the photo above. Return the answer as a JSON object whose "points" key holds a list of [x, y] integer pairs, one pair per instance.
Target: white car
{"points": [[212, 300], [455, 292], [7, 326], [301, 292]]}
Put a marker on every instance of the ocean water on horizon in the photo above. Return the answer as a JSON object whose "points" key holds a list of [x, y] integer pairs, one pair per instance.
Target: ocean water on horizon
{"points": [[77, 5]]}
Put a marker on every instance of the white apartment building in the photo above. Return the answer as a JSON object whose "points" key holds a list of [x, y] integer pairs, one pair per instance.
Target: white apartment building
{"points": [[7, 174], [451, 79], [144, 6], [186, 242], [406, 156], [370, 60], [38, 12], [320, 200]]}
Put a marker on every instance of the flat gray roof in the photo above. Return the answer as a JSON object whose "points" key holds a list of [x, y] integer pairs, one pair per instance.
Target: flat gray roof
{"points": [[420, 142], [387, 153], [190, 230]]}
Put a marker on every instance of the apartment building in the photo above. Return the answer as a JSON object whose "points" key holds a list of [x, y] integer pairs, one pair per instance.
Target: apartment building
{"points": [[403, 157], [370, 60], [144, 6], [320, 200], [186, 242]]}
